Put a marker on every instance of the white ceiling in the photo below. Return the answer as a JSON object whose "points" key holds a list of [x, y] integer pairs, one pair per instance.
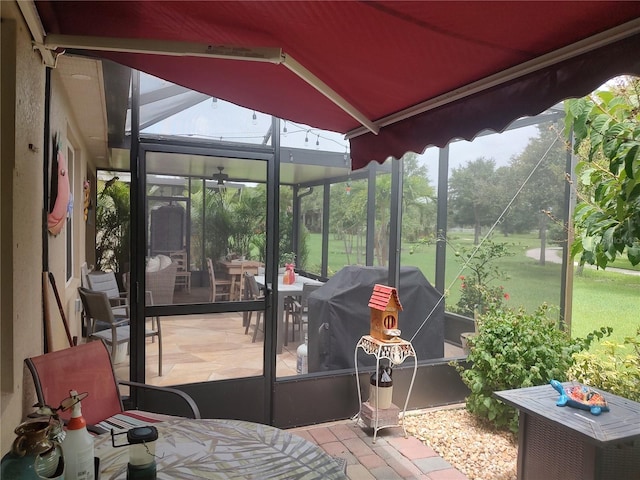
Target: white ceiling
{"points": [[83, 82]]}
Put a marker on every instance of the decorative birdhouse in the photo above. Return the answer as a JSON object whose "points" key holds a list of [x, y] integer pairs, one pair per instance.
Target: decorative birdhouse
{"points": [[385, 306]]}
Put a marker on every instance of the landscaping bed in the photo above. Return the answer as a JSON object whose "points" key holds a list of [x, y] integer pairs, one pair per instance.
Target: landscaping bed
{"points": [[474, 447]]}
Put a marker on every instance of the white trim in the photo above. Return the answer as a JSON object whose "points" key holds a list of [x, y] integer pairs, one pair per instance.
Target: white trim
{"points": [[162, 47], [328, 92], [191, 49], [31, 16]]}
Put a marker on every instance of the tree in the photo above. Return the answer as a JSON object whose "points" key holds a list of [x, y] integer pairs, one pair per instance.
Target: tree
{"points": [[112, 226], [542, 197], [347, 219], [418, 201], [472, 191], [607, 218]]}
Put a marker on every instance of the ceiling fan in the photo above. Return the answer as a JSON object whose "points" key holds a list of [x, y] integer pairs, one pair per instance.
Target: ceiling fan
{"points": [[220, 177]]}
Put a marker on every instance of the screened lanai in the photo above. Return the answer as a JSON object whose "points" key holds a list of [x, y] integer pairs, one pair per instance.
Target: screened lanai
{"points": [[404, 76], [338, 223]]}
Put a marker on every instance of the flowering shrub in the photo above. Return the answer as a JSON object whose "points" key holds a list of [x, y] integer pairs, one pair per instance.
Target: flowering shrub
{"points": [[515, 349], [479, 297], [477, 293]]}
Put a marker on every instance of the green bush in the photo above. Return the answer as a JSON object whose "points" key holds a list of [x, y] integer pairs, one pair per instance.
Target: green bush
{"points": [[514, 349], [476, 291], [618, 371]]}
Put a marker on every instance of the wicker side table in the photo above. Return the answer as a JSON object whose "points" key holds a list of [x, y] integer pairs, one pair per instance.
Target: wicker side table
{"points": [[566, 443]]}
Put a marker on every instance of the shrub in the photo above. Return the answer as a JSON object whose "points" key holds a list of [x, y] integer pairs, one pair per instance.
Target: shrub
{"points": [[618, 371], [514, 349], [477, 293]]}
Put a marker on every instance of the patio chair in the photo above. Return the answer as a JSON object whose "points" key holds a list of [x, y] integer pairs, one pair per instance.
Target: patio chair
{"points": [[183, 275], [148, 299], [84, 274], [252, 292], [96, 305], [87, 368], [298, 311], [106, 282], [219, 287]]}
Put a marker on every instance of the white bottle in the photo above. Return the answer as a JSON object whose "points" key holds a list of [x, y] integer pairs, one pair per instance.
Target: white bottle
{"points": [[77, 447], [302, 365]]}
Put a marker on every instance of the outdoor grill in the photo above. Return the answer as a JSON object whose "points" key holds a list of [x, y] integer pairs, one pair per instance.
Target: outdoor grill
{"points": [[339, 315]]}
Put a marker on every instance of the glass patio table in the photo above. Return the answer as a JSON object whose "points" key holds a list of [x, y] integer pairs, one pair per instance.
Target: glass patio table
{"points": [[224, 449]]}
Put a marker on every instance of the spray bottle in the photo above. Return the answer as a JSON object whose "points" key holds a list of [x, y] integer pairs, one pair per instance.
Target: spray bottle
{"points": [[77, 447]]}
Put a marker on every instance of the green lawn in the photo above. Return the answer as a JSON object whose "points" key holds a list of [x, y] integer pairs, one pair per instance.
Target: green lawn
{"points": [[600, 298]]}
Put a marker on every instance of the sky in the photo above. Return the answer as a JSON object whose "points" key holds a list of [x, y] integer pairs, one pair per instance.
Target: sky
{"points": [[225, 121], [222, 120]]}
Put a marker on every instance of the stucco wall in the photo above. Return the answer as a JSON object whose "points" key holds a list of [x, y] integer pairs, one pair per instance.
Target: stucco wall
{"points": [[25, 336], [21, 329]]}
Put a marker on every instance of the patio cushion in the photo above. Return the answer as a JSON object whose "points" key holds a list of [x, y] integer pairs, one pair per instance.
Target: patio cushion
{"points": [[153, 264], [157, 263]]}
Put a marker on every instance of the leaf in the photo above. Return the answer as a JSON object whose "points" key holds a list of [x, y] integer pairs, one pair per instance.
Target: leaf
{"points": [[606, 96], [632, 161], [599, 125], [576, 248], [633, 254]]}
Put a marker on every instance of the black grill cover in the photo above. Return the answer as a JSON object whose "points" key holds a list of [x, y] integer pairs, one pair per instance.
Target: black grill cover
{"points": [[339, 315]]}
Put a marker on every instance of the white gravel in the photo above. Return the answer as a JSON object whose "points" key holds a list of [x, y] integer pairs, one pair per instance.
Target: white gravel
{"points": [[474, 447]]}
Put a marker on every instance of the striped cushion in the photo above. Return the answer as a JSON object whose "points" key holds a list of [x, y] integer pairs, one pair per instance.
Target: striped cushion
{"points": [[127, 420]]}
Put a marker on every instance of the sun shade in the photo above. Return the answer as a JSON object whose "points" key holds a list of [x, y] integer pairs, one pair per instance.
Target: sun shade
{"points": [[393, 76]]}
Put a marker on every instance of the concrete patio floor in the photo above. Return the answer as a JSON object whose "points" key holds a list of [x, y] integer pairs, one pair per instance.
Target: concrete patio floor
{"points": [[392, 456]]}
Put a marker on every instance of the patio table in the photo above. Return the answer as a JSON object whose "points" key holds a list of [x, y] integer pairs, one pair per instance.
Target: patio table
{"points": [[567, 443], [234, 270], [224, 449], [291, 290]]}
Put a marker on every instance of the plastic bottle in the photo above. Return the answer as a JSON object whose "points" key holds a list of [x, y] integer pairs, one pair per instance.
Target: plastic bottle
{"points": [[77, 447], [302, 365]]}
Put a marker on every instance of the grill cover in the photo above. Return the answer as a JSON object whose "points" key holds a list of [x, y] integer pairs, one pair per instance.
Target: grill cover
{"points": [[339, 315]]}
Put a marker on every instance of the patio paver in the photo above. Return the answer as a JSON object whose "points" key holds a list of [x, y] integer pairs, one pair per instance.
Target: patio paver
{"points": [[391, 457]]}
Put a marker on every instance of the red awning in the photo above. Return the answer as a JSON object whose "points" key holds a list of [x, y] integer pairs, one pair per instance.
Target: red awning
{"points": [[418, 73]]}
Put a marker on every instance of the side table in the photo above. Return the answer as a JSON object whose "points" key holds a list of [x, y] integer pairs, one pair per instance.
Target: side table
{"points": [[396, 352], [566, 443]]}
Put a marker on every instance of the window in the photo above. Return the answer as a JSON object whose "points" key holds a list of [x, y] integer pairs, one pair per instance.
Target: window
{"points": [[69, 227]]}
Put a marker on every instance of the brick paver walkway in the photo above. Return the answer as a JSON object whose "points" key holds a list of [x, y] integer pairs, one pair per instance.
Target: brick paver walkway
{"points": [[391, 457]]}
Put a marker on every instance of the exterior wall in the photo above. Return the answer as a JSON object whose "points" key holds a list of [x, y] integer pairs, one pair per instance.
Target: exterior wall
{"points": [[65, 126], [22, 325], [23, 121]]}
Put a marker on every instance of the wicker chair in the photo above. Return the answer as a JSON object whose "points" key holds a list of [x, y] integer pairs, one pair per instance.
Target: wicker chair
{"points": [[162, 284]]}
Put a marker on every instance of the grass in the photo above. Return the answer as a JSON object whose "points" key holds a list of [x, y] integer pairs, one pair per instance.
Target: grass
{"points": [[600, 298]]}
